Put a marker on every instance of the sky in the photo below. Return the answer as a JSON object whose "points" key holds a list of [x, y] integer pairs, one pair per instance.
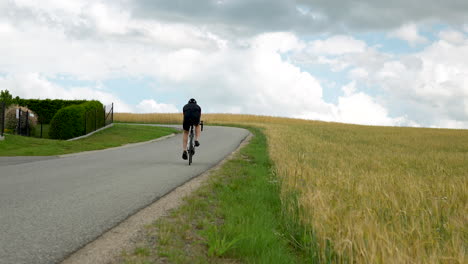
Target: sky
{"points": [[371, 62]]}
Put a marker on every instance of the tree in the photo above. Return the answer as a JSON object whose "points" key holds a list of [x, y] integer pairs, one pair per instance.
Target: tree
{"points": [[6, 97]]}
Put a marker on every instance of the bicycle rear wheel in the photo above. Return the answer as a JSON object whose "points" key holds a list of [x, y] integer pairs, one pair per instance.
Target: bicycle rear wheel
{"points": [[191, 147], [190, 157]]}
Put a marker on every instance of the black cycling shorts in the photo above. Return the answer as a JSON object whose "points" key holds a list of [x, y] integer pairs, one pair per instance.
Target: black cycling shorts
{"points": [[188, 122]]}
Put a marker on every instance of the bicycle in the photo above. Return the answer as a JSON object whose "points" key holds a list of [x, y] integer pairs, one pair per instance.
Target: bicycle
{"points": [[191, 147]]}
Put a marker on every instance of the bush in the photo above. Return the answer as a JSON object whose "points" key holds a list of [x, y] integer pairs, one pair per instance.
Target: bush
{"points": [[77, 120], [46, 109], [94, 117], [67, 123], [11, 123]]}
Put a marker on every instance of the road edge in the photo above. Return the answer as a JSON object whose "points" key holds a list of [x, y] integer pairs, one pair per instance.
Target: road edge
{"points": [[109, 246], [91, 133]]}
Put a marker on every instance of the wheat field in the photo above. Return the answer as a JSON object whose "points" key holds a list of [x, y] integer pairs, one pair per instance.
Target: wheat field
{"points": [[372, 194]]}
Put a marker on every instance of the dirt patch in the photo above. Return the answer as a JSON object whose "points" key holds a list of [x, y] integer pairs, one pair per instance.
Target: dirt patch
{"points": [[108, 247]]}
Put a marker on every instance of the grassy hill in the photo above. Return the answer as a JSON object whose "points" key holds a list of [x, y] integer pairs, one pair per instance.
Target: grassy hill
{"points": [[115, 136], [364, 194]]}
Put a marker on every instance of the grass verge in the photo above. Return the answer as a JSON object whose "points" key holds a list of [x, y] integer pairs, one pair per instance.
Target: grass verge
{"points": [[115, 136], [235, 218]]}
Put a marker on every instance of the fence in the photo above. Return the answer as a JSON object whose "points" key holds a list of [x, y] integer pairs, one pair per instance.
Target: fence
{"points": [[109, 114], [95, 119], [2, 118], [23, 126], [16, 120], [25, 122]]}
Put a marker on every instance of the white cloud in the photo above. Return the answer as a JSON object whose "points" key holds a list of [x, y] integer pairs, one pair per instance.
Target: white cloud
{"points": [[249, 80], [428, 86], [179, 65], [277, 42], [91, 40], [358, 73], [35, 86], [409, 33], [360, 108], [151, 106], [449, 123], [357, 108], [425, 88], [349, 89], [337, 45], [51, 5], [109, 20], [267, 83], [452, 36]]}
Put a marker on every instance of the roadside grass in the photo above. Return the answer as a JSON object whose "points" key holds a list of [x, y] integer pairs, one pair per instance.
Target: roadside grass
{"points": [[115, 136], [234, 218], [365, 194]]}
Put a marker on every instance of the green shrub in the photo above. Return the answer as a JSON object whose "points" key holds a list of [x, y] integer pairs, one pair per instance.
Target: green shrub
{"points": [[46, 109], [94, 116], [77, 120], [67, 122]]}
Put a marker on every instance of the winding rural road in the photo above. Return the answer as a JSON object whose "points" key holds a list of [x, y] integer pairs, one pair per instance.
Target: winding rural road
{"points": [[52, 206]]}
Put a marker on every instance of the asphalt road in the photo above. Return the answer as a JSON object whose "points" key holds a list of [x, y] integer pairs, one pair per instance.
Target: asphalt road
{"points": [[52, 206]]}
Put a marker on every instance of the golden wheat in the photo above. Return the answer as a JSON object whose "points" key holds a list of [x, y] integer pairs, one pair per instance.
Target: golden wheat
{"points": [[376, 194]]}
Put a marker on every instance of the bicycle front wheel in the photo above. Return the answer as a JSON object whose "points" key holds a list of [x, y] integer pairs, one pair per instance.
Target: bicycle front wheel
{"points": [[190, 154]]}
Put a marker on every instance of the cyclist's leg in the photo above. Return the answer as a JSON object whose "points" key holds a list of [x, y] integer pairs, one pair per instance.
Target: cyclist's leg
{"points": [[185, 140], [197, 129], [197, 132], [186, 128]]}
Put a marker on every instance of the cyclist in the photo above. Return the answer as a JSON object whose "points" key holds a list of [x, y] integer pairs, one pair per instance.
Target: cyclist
{"points": [[192, 115]]}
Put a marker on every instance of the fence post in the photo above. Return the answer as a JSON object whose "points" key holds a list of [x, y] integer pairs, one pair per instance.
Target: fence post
{"points": [[27, 124], [85, 116], [18, 127], [112, 113], [95, 119], [2, 120]]}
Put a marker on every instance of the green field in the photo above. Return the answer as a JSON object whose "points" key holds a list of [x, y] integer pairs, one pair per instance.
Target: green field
{"points": [[115, 136]]}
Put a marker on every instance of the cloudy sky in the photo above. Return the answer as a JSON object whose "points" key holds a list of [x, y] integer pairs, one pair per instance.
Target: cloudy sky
{"points": [[376, 62]]}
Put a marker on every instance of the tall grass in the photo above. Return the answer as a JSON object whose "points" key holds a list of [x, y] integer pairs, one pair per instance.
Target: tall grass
{"points": [[368, 194]]}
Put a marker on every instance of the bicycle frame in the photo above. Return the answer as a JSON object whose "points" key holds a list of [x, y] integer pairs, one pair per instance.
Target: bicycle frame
{"points": [[191, 146]]}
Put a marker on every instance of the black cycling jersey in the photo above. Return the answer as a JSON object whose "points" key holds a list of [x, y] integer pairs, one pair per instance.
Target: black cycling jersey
{"points": [[192, 111], [192, 114]]}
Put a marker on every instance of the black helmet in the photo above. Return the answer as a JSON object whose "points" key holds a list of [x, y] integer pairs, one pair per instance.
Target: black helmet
{"points": [[192, 101]]}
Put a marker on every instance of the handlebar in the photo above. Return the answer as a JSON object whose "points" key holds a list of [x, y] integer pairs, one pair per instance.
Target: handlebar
{"points": [[201, 123]]}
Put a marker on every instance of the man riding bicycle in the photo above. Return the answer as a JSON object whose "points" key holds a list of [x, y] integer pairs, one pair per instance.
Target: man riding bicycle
{"points": [[192, 115]]}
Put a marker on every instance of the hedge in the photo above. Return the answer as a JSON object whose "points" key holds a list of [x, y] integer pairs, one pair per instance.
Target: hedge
{"points": [[46, 109], [95, 116], [77, 120]]}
